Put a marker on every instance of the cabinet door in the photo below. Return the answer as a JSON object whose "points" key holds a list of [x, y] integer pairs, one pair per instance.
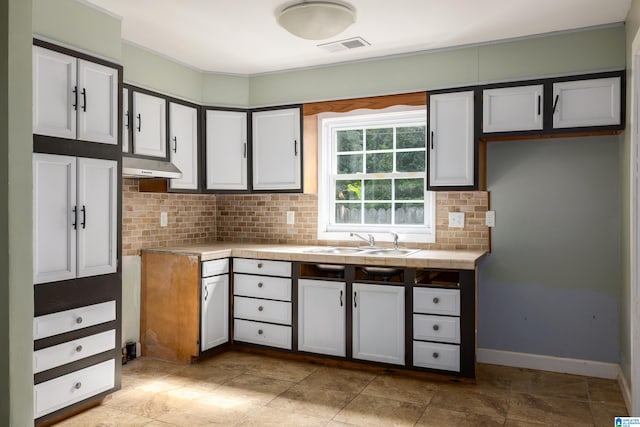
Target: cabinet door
{"points": [[97, 216], [512, 109], [322, 317], [451, 158], [594, 102], [378, 323], [54, 220], [226, 147], [215, 311], [54, 93], [126, 120], [183, 145], [97, 103], [276, 149], [149, 125]]}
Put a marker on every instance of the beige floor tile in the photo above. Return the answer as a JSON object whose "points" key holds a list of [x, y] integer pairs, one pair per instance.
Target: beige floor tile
{"points": [[346, 380], [145, 403], [551, 384], [602, 390], [102, 416], [234, 360], [438, 417], [272, 417], [472, 400], [146, 367], [156, 423], [604, 414], [516, 423], [549, 410], [377, 411], [285, 370], [253, 389], [208, 412], [402, 388], [321, 403], [496, 376]]}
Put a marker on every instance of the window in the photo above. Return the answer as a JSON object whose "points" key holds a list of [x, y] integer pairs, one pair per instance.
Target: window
{"points": [[372, 175]]}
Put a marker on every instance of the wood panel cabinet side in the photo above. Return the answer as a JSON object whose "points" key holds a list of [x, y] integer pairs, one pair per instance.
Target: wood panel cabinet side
{"points": [[170, 306]]}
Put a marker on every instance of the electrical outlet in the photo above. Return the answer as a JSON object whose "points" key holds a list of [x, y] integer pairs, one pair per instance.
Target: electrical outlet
{"points": [[490, 219], [456, 219], [164, 219], [291, 217]]}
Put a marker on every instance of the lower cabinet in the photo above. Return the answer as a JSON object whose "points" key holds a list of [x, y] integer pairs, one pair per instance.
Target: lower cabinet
{"points": [[322, 311], [378, 323], [214, 304]]}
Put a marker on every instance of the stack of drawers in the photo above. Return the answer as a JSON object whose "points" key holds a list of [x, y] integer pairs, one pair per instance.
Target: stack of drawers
{"points": [[436, 328], [262, 302]]}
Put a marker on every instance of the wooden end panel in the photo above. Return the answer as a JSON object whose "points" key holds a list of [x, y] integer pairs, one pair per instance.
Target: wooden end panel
{"points": [[310, 167], [170, 306]]}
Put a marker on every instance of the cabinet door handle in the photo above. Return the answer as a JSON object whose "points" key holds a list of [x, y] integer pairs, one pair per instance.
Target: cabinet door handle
{"points": [[77, 385], [206, 293], [340, 298], [260, 332], [79, 320], [436, 355], [539, 101], [75, 96], [436, 327], [84, 100], [259, 265], [139, 123], [436, 300], [432, 138], [355, 299], [126, 124], [260, 308], [175, 144], [84, 217], [75, 218], [78, 349], [259, 284], [555, 103], [295, 147], [245, 151]]}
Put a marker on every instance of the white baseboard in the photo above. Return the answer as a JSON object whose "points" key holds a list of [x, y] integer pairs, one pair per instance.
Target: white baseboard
{"points": [[589, 368], [626, 390]]}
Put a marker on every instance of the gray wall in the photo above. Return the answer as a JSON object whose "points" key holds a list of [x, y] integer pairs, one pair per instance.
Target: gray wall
{"points": [[551, 285]]}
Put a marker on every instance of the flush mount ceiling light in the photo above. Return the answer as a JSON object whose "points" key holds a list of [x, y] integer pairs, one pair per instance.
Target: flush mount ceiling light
{"points": [[316, 20]]}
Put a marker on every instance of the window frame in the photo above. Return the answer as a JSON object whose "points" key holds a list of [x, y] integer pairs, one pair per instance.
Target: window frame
{"points": [[328, 124]]}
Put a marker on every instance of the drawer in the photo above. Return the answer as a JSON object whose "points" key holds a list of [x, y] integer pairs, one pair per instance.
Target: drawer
{"points": [[68, 389], [262, 287], [258, 266], [436, 328], [436, 301], [262, 310], [71, 351], [74, 319], [262, 333], [436, 356], [215, 267]]}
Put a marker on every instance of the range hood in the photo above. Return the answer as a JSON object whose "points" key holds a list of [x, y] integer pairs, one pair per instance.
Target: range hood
{"points": [[135, 167]]}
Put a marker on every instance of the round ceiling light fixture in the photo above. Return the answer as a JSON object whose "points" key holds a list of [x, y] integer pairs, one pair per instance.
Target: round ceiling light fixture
{"points": [[316, 20]]}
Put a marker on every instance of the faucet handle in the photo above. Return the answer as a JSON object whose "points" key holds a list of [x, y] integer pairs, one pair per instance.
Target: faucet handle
{"points": [[395, 239]]}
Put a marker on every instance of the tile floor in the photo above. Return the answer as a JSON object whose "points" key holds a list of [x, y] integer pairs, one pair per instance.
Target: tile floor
{"points": [[242, 389]]}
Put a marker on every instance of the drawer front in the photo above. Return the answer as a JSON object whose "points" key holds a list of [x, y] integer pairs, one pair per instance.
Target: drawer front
{"points": [[262, 310], [215, 267], [262, 333], [71, 351], [74, 319], [262, 287], [68, 389], [436, 328], [436, 301], [258, 266], [436, 356]]}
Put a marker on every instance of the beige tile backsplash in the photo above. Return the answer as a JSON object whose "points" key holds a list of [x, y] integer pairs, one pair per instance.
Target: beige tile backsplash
{"points": [[261, 218]]}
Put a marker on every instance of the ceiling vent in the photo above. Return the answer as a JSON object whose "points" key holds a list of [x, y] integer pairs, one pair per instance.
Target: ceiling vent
{"points": [[352, 43]]}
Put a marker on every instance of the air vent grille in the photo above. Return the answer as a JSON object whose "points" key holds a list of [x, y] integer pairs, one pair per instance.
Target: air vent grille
{"points": [[352, 43]]}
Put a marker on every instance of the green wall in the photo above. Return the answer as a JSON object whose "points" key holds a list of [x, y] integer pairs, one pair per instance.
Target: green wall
{"points": [[16, 296]]}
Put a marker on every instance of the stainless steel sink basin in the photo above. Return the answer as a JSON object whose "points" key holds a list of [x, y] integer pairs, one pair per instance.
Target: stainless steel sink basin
{"points": [[336, 250], [392, 252], [363, 250]]}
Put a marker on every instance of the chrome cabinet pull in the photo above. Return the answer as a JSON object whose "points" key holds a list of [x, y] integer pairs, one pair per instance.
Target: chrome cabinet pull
{"points": [[77, 385]]}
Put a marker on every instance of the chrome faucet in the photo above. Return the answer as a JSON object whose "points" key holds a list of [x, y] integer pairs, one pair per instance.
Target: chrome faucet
{"points": [[395, 239], [369, 239]]}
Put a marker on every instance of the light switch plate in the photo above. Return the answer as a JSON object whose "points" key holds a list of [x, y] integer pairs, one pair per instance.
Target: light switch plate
{"points": [[456, 219], [164, 219], [490, 219], [291, 217]]}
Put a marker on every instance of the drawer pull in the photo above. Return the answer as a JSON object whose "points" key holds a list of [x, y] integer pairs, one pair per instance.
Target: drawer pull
{"points": [[260, 308], [436, 354], [436, 300], [79, 320], [259, 284], [259, 265], [260, 332], [436, 327], [77, 385], [78, 349]]}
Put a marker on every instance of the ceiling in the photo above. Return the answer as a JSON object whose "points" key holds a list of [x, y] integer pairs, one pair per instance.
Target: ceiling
{"points": [[242, 36]]}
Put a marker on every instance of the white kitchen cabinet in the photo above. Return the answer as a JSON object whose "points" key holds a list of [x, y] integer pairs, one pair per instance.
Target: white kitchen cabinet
{"points": [[584, 103], [215, 311], [226, 150], [126, 120], [322, 317], [75, 217], [74, 98], [277, 145], [378, 323], [515, 108], [183, 145], [149, 125], [451, 153]]}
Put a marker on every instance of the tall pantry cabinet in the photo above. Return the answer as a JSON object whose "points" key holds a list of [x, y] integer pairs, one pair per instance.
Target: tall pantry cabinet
{"points": [[77, 156]]}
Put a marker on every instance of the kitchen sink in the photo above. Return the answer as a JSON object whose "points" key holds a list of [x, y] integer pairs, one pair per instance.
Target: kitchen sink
{"points": [[336, 251], [392, 252], [363, 250]]}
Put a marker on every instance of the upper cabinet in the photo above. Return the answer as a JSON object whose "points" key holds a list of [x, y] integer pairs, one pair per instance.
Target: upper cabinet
{"points": [[74, 98], [277, 149], [226, 150], [512, 108], [451, 140], [149, 118], [126, 120], [183, 145], [585, 103]]}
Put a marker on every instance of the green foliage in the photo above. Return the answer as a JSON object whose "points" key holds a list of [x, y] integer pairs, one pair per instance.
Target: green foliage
{"points": [[410, 137], [379, 139], [349, 140]]}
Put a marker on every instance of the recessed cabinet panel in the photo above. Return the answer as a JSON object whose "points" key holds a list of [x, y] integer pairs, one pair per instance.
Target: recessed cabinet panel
{"points": [[322, 312], [126, 120], [54, 93], [149, 125], [583, 103], [183, 145], [215, 312], [97, 103], [227, 150], [512, 109]]}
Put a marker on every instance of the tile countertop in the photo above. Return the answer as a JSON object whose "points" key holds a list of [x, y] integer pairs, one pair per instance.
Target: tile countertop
{"points": [[449, 259]]}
